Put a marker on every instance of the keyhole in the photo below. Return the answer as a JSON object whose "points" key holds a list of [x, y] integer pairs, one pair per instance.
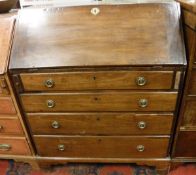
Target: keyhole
{"points": [[96, 99]]}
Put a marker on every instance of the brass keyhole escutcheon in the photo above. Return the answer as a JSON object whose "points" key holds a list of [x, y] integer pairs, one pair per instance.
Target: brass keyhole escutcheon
{"points": [[95, 11]]}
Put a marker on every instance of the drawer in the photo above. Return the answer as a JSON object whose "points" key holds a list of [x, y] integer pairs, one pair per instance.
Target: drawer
{"points": [[186, 144], [97, 80], [102, 147], [1, 89], [100, 124], [7, 106], [10, 126], [100, 101], [192, 83], [14, 146], [189, 36], [3, 86], [189, 119]]}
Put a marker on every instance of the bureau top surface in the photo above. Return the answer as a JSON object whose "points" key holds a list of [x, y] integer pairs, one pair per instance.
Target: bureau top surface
{"points": [[98, 35], [6, 28]]}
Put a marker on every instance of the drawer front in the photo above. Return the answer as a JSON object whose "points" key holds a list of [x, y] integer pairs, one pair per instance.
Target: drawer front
{"points": [[1, 89], [3, 86], [192, 83], [100, 101], [100, 124], [14, 146], [7, 106], [102, 147], [189, 119], [10, 126], [97, 80], [186, 144], [189, 36]]}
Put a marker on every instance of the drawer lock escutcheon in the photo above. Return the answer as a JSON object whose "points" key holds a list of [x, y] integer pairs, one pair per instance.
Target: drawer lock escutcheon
{"points": [[141, 81], [55, 125], [49, 83], [140, 148], [5, 147], [143, 103], [61, 147], [141, 125], [50, 103]]}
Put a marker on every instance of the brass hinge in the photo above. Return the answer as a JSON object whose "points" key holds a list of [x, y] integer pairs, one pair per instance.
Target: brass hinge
{"points": [[4, 86]]}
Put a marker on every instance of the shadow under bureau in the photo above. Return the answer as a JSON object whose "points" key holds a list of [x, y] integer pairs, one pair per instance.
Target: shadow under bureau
{"points": [[100, 83]]}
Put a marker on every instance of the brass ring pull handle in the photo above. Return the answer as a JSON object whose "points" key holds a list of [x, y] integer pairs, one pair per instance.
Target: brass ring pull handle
{"points": [[141, 125], [5, 147], [143, 103], [141, 81], [55, 124], [49, 83], [95, 11], [50, 103], [61, 147], [140, 148]]}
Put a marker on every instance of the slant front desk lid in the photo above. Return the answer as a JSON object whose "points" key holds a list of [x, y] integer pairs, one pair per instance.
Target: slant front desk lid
{"points": [[99, 35]]}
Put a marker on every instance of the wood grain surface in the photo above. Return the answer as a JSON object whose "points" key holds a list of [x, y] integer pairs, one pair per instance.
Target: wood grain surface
{"points": [[99, 101], [102, 147], [189, 119], [100, 123], [10, 126], [97, 80], [6, 29], [7, 106], [187, 144], [192, 83], [144, 34], [18, 146]]}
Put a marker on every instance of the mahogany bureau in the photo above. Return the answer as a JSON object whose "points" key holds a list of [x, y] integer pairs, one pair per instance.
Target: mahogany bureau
{"points": [[100, 83], [14, 142], [184, 149]]}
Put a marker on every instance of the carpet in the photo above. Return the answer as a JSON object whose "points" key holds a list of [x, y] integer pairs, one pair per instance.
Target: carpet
{"points": [[11, 168], [186, 169]]}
